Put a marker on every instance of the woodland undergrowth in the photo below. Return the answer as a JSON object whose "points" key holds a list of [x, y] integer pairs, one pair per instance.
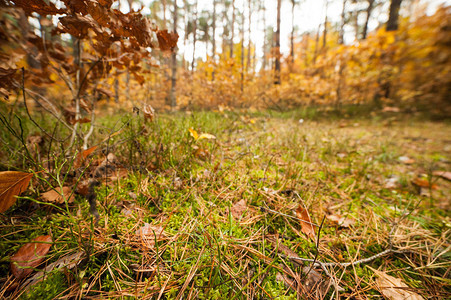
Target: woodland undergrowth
{"points": [[227, 204]]}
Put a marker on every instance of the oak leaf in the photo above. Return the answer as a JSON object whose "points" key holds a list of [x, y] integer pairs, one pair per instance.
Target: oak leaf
{"points": [[30, 256], [58, 195], [394, 288], [306, 224], [12, 184]]}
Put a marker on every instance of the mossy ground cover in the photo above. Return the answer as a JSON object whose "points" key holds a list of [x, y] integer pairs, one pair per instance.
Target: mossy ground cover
{"points": [[215, 218]]}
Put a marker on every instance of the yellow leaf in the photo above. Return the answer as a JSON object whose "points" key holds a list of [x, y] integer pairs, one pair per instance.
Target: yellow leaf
{"points": [[206, 136], [193, 133]]}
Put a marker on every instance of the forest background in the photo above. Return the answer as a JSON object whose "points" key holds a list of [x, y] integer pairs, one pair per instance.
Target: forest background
{"points": [[170, 149]]}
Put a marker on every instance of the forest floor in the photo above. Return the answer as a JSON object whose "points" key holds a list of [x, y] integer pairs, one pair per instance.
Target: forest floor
{"points": [[239, 206]]}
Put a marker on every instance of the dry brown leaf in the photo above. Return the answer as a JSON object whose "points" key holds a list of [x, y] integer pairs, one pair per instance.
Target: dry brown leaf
{"points": [[406, 160], [149, 113], [149, 233], [82, 156], [12, 184], [238, 209], [340, 221], [57, 196], [30, 256], [306, 223], [443, 174], [423, 183], [67, 262], [394, 288]]}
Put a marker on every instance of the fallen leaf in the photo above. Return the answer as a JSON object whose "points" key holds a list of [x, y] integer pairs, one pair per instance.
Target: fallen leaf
{"points": [[394, 288], [30, 256], [238, 209], [67, 262], [148, 234], [149, 113], [391, 109], [406, 160], [341, 221], [201, 153], [206, 136], [391, 182], [193, 133], [58, 196], [443, 174], [306, 223], [423, 183], [12, 184], [82, 156]]}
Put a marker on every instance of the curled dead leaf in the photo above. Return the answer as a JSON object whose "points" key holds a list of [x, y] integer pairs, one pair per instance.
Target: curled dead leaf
{"points": [[306, 224]]}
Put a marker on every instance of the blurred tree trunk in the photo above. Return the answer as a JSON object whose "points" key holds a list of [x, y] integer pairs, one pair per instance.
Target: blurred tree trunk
{"points": [[214, 41], [233, 29], [265, 45], [393, 16], [369, 9], [174, 63], [249, 44], [293, 4], [242, 49], [277, 45], [325, 25], [194, 36], [342, 24]]}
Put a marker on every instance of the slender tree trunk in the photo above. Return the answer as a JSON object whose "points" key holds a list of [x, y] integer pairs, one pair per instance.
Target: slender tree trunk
{"points": [[116, 90], [265, 45], [393, 16], [315, 52], [185, 37], [293, 4], [174, 63], [213, 56], [194, 36], [249, 44], [342, 24], [233, 29], [368, 15], [214, 31], [277, 46], [242, 50], [325, 26]]}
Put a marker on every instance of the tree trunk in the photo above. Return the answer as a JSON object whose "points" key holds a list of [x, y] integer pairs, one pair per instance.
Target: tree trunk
{"points": [[242, 50], [342, 24], [277, 46], [233, 29], [214, 31], [368, 15], [214, 41], [265, 46], [194, 36], [293, 3], [325, 26], [174, 63], [249, 45], [393, 16]]}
